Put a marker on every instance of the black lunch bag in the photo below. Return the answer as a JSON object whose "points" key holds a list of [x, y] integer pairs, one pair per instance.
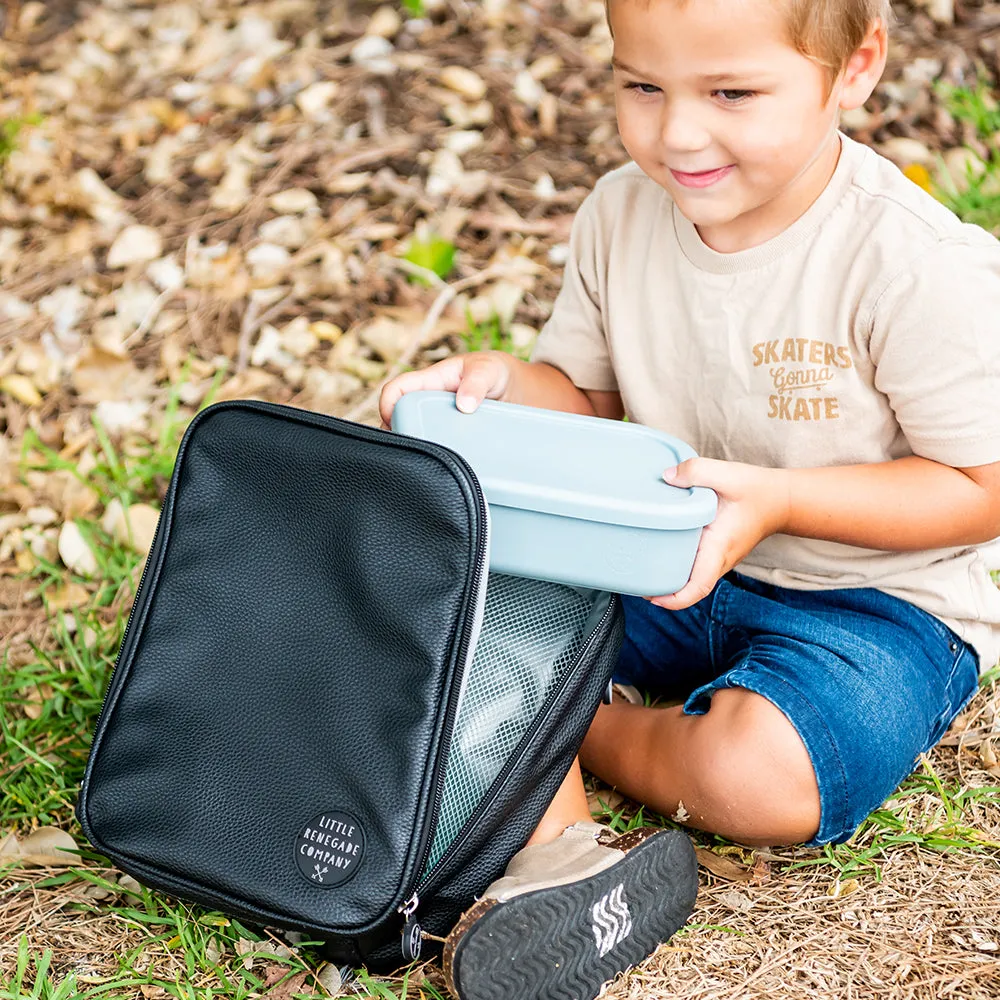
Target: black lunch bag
{"points": [[326, 715]]}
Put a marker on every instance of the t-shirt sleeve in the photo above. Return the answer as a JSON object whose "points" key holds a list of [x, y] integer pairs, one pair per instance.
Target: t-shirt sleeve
{"points": [[935, 341], [573, 339]]}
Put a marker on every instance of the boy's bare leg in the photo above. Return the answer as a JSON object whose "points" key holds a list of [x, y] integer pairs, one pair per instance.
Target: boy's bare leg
{"points": [[741, 769], [568, 807]]}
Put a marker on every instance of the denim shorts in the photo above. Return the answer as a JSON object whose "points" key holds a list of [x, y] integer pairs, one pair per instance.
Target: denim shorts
{"points": [[869, 681]]}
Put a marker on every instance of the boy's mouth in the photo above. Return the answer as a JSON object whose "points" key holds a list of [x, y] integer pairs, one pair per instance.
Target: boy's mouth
{"points": [[703, 178]]}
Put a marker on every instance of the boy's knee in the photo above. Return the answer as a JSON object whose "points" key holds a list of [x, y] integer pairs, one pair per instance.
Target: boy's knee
{"points": [[753, 774]]}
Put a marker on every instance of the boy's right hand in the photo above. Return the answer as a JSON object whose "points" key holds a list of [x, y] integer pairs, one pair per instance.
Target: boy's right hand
{"points": [[472, 377]]}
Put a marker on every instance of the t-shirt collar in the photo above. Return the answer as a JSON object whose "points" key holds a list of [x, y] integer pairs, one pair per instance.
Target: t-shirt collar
{"points": [[852, 155]]}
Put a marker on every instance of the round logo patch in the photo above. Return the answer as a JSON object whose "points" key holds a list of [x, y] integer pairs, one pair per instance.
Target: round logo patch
{"points": [[329, 849]]}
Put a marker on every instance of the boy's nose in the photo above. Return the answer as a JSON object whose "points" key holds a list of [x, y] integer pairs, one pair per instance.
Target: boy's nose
{"points": [[681, 128]]}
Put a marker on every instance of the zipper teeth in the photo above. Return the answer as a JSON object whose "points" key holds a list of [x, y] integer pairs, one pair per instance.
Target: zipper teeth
{"points": [[427, 834], [491, 793]]}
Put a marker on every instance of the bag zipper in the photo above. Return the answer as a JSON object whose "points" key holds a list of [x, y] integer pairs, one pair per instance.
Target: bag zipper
{"points": [[470, 636], [412, 939]]}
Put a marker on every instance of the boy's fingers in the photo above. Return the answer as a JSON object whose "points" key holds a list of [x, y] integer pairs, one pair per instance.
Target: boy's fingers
{"points": [[709, 566], [697, 472], [443, 376], [478, 382]]}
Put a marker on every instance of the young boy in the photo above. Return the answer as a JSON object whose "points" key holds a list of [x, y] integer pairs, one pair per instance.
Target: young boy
{"points": [[823, 333]]}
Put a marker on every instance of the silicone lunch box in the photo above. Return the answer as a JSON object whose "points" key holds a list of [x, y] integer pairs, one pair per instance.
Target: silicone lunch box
{"points": [[572, 499]]}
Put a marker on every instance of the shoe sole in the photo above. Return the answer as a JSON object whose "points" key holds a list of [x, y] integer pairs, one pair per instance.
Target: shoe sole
{"points": [[565, 942]]}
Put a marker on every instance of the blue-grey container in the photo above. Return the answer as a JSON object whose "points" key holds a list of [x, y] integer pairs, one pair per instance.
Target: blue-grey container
{"points": [[573, 499]]}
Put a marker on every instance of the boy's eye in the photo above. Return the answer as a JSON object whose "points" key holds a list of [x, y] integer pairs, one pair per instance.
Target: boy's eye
{"points": [[643, 88], [733, 96]]}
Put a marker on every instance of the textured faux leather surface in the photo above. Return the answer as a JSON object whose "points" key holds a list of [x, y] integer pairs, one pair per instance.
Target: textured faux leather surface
{"points": [[290, 654]]}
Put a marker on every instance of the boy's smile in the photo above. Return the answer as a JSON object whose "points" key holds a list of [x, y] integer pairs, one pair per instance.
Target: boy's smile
{"points": [[717, 106], [701, 178]]}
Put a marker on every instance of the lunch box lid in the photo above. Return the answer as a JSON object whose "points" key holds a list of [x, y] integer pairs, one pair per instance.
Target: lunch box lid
{"points": [[562, 463]]}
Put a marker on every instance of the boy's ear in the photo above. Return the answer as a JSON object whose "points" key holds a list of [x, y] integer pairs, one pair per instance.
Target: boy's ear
{"points": [[864, 68]]}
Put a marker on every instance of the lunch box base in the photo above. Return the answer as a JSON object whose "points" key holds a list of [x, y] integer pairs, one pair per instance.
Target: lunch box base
{"points": [[646, 562]]}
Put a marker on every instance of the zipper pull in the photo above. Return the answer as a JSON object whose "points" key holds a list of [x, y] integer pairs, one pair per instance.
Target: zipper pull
{"points": [[412, 932]]}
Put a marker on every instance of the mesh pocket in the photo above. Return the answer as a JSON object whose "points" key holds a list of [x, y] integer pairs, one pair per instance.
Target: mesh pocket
{"points": [[532, 633]]}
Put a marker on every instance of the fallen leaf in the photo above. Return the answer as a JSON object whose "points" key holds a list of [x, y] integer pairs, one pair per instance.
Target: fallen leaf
{"points": [[386, 337], [21, 388], [99, 376], [293, 201], [722, 867], [78, 500], [134, 245], [331, 979], [314, 100], [760, 872], [298, 339], [324, 330], [41, 515], [128, 884], [274, 973], [839, 889], [904, 151], [35, 700], [604, 800], [736, 900], [290, 987], [464, 81], [118, 415], [373, 53], [75, 553], [134, 526], [48, 845], [385, 22], [268, 263], [10, 847], [233, 191]]}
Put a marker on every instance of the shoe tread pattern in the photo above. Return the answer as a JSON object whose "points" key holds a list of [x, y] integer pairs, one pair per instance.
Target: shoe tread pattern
{"points": [[542, 944]]}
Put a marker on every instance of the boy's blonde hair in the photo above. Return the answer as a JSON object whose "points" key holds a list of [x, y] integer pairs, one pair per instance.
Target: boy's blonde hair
{"points": [[830, 31], [827, 31]]}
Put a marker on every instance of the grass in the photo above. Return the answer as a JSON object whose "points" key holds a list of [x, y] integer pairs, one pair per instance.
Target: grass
{"points": [[10, 132], [904, 820], [49, 701], [151, 946], [491, 334], [977, 200]]}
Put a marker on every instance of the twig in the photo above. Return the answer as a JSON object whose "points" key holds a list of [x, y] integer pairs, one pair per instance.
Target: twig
{"points": [[968, 738], [365, 157], [559, 226], [447, 293], [251, 324], [290, 159], [151, 315]]}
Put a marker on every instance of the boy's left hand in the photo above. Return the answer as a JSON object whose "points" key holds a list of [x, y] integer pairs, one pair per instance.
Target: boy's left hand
{"points": [[753, 503]]}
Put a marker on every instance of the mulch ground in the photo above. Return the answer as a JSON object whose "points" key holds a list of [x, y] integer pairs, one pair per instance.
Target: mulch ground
{"points": [[269, 164]]}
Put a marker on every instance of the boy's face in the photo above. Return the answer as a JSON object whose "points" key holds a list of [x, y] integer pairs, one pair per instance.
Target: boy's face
{"points": [[716, 105]]}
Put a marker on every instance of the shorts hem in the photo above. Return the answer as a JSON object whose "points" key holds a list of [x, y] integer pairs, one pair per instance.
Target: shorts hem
{"points": [[817, 738]]}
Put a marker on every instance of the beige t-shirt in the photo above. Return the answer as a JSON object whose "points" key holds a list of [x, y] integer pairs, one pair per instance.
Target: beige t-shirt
{"points": [[866, 331]]}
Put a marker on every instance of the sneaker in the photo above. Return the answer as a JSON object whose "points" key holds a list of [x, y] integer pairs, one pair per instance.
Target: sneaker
{"points": [[572, 914]]}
